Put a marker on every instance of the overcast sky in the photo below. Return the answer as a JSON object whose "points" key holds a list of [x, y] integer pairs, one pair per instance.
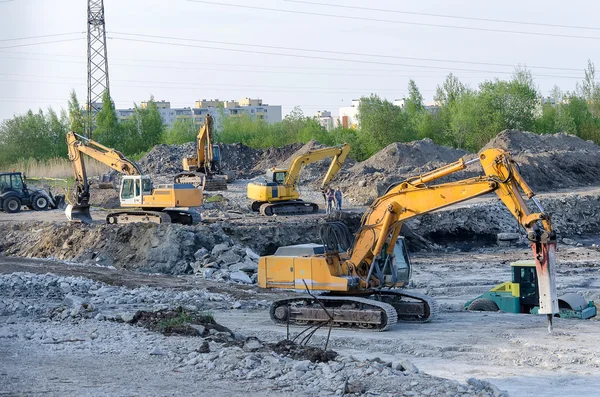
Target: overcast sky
{"points": [[363, 56]]}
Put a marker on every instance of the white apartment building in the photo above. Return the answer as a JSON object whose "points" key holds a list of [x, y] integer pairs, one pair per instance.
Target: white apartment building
{"points": [[348, 116], [254, 108], [325, 120]]}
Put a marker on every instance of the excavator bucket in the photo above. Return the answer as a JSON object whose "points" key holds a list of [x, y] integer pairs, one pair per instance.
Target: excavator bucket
{"points": [[78, 213]]}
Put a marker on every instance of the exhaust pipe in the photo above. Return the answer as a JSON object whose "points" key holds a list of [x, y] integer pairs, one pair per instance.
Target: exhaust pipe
{"points": [[78, 213]]}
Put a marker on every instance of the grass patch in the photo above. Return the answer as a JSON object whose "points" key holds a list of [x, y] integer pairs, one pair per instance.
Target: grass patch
{"points": [[217, 198], [179, 321], [55, 168], [184, 317]]}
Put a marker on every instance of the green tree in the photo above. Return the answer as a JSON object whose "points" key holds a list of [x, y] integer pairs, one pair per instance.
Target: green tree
{"points": [[108, 130], [33, 135], [381, 123], [514, 101], [181, 132], [151, 124], [413, 104], [76, 115], [589, 89]]}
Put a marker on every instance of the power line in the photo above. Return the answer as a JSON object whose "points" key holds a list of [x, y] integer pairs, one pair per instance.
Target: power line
{"points": [[223, 87], [298, 67], [42, 36], [395, 21], [327, 58], [338, 52], [442, 15], [341, 73], [44, 42]]}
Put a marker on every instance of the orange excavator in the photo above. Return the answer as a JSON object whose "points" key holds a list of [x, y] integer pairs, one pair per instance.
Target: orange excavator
{"points": [[361, 279]]}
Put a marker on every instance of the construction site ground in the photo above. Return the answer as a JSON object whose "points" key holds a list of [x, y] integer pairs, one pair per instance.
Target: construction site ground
{"points": [[70, 293], [513, 352]]}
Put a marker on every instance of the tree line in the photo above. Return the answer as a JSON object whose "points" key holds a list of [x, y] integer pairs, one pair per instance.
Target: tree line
{"points": [[465, 117]]}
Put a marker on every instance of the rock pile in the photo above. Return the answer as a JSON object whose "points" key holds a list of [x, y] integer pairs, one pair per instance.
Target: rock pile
{"points": [[572, 215], [227, 247], [78, 335], [30, 295], [225, 263], [243, 161]]}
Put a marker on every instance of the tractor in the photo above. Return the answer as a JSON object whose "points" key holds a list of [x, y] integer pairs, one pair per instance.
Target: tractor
{"points": [[14, 194]]}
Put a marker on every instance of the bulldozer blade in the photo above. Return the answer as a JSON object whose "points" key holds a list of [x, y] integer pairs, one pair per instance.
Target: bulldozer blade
{"points": [[78, 213]]}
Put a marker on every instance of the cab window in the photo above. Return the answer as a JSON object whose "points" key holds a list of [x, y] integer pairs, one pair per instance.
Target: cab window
{"points": [[4, 182], [147, 186], [17, 182], [127, 190], [280, 177]]}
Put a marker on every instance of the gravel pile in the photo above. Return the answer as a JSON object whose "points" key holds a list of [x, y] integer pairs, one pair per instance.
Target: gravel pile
{"points": [[551, 161], [27, 295], [227, 263], [243, 161], [80, 338]]}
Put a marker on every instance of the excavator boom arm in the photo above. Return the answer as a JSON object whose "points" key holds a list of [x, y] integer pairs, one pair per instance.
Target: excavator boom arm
{"points": [[204, 149], [381, 224], [78, 146], [339, 154]]}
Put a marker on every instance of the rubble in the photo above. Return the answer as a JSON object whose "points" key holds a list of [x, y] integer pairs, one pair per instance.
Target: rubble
{"points": [[211, 351]]}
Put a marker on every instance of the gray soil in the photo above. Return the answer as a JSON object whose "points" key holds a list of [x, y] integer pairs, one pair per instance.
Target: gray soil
{"points": [[70, 293]]}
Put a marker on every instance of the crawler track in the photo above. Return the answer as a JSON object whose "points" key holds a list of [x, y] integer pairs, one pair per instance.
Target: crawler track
{"points": [[377, 311], [297, 207], [185, 217]]}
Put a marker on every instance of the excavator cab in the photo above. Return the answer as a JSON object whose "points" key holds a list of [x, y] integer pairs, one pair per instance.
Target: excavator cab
{"points": [[276, 176], [133, 188]]}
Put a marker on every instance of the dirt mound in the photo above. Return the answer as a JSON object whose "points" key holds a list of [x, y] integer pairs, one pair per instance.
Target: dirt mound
{"points": [[403, 159], [244, 161], [370, 179], [104, 198], [274, 157], [166, 159], [240, 159], [552, 161]]}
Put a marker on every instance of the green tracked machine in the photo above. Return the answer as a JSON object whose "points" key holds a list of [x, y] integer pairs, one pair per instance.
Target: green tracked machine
{"points": [[521, 295]]}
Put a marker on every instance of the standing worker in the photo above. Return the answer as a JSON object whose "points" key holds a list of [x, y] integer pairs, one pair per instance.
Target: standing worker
{"points": [[329, 196], [338, 199]]}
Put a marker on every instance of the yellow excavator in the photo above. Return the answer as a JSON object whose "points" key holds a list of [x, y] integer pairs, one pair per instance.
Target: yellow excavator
{"points": [[361, 277], [205, 168], [279, 195], [140, 200]]}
